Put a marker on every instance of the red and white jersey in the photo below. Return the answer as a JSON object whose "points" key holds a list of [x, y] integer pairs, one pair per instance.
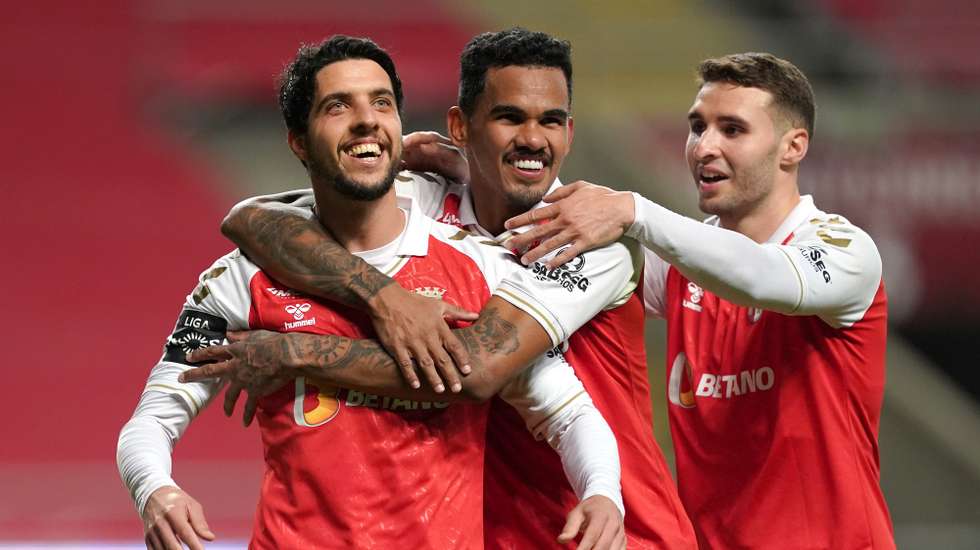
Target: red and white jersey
{"points": [[592, 303], [774, 416], [345, 469]]}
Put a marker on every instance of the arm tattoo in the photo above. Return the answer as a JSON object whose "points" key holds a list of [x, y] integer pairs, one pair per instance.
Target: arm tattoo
{"points": [[366, 364], [300, 253]]}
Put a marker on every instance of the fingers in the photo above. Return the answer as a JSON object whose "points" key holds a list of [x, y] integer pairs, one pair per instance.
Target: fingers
{"points": [[185, 532], [527, 218], [153, 541], [212, 370], [599, 533], [548, 246], [427, 366], [211, 353], [456, 349], [525, 240], [444, 364], [231, 397], [406, 367], [195, 513], [570, 252], [455, 313], [165, 537], [562, 192], [572, 525], [251, 405], [236, 335]]}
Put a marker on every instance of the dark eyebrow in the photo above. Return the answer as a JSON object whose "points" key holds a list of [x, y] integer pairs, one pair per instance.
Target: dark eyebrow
{"points": [[498, 110], [507, 110], [560, 114], [731, 119], [343, 96], [347, 96]]}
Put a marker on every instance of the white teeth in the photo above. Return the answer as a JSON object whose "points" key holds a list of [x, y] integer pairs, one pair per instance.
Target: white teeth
{"points": [[529, 164], [363, 148]]}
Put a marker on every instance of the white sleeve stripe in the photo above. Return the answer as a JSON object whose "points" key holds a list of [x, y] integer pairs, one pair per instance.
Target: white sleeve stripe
{"points": [[556, 410], [526, 303], [799, 279]]}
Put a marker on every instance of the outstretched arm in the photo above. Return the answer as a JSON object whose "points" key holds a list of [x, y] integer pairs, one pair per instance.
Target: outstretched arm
{"points": [[831, 269], [281, 235], [503, 341]]}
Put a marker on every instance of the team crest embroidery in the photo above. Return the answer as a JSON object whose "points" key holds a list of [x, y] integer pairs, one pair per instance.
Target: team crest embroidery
{"points": [[430, 292]]}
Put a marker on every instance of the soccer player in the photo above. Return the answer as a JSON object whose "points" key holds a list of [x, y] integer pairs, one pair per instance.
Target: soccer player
{"points": [[776, 321], [345, 468], [514, 123]]}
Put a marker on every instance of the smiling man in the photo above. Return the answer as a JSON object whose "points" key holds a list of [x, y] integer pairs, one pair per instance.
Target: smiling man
{"points": [[776, 320], [346, 468], [513, 123]]}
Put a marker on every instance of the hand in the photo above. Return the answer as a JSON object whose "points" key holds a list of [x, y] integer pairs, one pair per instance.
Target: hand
{"points": [[583, 216], [598, 520], [255, 361], [434, 152], [170, 517], [411, 326]]}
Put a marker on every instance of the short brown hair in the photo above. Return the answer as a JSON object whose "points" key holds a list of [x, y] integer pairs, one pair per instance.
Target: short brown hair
{"points": [[788, 85]]}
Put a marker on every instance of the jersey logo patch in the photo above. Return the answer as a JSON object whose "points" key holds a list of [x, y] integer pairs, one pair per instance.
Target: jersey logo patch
{"points": [[567, 275], [298, 311], [194, 329], [695, 294]]}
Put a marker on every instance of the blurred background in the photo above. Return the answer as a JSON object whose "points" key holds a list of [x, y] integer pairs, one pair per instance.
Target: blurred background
{"points": [[131, 126]]}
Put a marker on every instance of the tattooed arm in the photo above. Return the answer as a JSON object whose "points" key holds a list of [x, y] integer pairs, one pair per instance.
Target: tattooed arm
{"points": [[501, 343], [281, 235]]}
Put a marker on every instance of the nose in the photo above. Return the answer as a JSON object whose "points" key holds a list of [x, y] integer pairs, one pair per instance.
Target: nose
{"points": [[530, 136], [705, 146], [365, 116]]}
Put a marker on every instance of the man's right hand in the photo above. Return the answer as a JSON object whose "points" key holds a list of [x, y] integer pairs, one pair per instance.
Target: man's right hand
{"points": [[172, 517], [413, 327], [434, 152]]}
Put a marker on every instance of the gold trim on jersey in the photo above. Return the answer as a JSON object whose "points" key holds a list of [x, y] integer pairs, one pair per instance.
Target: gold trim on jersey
{"points": [[555, 334], [557, 410], [190, 398]]}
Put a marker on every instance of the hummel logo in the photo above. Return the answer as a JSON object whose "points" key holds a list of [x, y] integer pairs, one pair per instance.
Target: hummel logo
{"points": [[297, 311], [696, 294]]}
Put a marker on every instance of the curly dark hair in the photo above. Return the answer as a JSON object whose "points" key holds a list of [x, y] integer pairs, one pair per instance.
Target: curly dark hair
{"points": [[788, 85], [297, 83], [514, 46]]}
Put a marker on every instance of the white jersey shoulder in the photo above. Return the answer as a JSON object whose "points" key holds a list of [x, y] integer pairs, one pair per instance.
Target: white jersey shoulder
{"points": [[220, 302], [429, 190], [494, 260], [839, 268]]}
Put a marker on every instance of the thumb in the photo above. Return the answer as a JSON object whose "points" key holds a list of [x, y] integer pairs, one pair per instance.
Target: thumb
{"points": [[572, 525], [455, 313], [560, 193]]}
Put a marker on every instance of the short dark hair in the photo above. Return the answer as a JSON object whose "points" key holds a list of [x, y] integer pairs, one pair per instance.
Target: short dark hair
{"points": [[790, 89], [297, 83], [513, 47]]}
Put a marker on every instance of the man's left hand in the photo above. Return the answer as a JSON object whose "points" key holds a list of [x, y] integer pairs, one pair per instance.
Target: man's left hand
{"points": [[582, 215], [598, 520], [254, 361]]}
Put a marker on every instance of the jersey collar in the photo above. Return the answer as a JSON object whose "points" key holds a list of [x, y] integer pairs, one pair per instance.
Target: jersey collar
{"points": [[415, 238], [803, 211], [467, 215]]}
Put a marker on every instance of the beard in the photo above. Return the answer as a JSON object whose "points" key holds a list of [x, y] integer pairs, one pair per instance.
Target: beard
{"points": [[524, 199], [321, 169]]}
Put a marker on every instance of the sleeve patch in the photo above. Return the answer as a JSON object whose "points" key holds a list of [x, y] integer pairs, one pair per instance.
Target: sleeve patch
{"points": [[194, 329]]}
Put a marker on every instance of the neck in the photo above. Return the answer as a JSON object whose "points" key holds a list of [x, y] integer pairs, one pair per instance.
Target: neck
{"points": [[491, 214], [765, 217], [359, 225]]}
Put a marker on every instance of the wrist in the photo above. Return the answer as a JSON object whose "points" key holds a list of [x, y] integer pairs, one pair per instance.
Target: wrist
{"points": [[379, 303]]}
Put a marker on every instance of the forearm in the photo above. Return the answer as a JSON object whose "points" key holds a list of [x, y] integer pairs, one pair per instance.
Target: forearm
{"points": [[723, 262], [589, 455], [146, 442], [503, 341], [290, 244]]}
